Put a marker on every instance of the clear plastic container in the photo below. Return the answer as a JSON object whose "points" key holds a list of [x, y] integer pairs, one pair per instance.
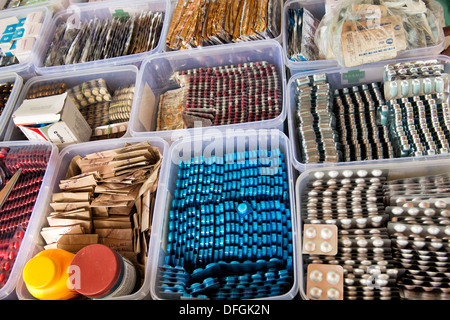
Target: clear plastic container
{"points": [[52, 5], [156, 71], [27, 68], [342, 78], [398, 170], [101, 10], [9, 106], [26, 250], [66, 155], [317, 8], [115, 78], [219, 145], [277, 38]]}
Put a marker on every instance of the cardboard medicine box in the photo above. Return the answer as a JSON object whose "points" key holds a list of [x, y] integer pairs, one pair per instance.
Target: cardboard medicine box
{"points": [[55, 119]]}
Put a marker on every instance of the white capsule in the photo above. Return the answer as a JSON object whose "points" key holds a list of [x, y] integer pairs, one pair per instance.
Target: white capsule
{"points": [[400, 228], [447, 231], [424, 204], [317, 183], [319, 175], [347, 173], [310, 232], [377, 173], [316, 276], [397, 211], [441, 204], [429, 212], [362, 173], [402, 243], [413, 211], [433, 230], [333, 173], [326, 233], [315, 293], [333, 277], [326, 247], [362, 243], [378, 242], [416, 229], [310, 246], [347, 243], [333, 294]]}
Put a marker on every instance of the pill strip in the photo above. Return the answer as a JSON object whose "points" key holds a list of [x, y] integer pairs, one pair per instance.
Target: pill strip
{"points": [[353, 202], [420, 233], [16, 212], [325, 282]]}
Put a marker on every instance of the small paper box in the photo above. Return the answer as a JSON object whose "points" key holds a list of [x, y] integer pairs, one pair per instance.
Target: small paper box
{"points": [[55, 119]]}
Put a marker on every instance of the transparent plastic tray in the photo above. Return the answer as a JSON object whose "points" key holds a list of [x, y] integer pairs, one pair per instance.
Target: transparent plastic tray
{"points": [[156, 71], [66, 155], [317, 8], [101, 10], [115, 78], [37, 217], [27, 68], [206, 146], [398, 170], [9, 106], [343, 78]]}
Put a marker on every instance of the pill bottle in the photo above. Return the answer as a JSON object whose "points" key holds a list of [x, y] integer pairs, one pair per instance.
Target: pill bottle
{"points": [[46, 275], [103, 272]]}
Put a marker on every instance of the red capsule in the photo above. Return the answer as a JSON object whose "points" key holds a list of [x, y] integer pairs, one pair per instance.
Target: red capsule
{"points": [[11, 255]]}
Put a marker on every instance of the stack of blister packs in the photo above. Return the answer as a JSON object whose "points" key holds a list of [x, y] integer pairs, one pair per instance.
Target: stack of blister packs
{"points": [[99, 39], [205, 22], [222, 95], [419, 114], [419, 228], [230, 228], [345, 224]]}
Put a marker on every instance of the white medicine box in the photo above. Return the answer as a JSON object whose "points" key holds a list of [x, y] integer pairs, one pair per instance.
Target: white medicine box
{"points": [[55, 119]]}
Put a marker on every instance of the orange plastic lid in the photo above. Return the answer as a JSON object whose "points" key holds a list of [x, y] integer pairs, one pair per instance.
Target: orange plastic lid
{"points": [[39, 272], [99, 269]]}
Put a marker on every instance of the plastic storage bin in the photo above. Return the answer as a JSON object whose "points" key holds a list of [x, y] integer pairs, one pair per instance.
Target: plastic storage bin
{"points": [[61, 166], [207, 146], [9, 106], [156, 71], [317, 8], [278, 18], [32, 232], [27, 68], [101, 10], [52, 5], [398, 170], [115, 78], [343, 78]]}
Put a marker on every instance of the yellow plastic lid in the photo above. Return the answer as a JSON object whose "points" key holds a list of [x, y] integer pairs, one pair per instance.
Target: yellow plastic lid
{"points": [[39, 272]]}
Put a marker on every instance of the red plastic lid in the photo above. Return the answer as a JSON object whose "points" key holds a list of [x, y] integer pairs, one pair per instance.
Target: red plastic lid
{"points": [[99, 269]]}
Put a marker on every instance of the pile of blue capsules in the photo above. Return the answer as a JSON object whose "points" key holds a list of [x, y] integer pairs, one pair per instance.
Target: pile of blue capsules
{"points": [[230, 229]]}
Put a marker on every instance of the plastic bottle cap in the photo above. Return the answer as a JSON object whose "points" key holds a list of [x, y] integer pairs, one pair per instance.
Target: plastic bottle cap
{"points": [[99, 269], [39, 272]]}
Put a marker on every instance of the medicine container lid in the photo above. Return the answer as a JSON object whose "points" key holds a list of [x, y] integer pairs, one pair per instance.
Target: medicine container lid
{"points": [[99, 269]]}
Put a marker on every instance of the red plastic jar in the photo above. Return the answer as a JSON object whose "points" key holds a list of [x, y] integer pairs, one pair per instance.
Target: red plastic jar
{"points": [[103, 273]]}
